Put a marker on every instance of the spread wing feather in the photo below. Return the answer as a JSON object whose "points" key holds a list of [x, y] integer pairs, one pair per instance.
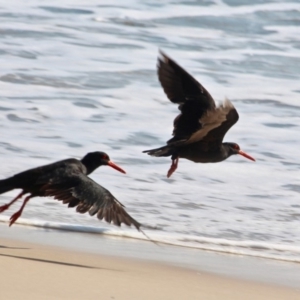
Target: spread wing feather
{"points": [[179, 85], [88, 196], [200, 120], [182, 88], [215, 123], [215, 135]]}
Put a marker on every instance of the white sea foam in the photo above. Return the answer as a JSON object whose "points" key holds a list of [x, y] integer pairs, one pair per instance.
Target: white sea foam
{"points": [[247, 248]]}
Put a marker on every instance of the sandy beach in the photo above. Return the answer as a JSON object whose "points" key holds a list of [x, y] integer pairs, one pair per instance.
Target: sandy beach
{"points": [[38, 271]]}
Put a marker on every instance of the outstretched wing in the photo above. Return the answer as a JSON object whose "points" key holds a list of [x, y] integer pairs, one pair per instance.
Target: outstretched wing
{"points": [[78, 190], [179, 85], [214, 137], [214, 124], [193, 99]]}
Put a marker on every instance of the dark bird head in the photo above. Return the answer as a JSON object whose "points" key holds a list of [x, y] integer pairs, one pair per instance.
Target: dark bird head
{"points": [[234, 148], [93, 160]]}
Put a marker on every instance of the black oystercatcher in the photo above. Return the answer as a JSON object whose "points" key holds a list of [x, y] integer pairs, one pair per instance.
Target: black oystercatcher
{"points": [[68, 182], [200, 128]]}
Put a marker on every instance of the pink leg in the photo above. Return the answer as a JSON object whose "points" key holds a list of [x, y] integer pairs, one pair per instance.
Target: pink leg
{"points": [[6, 206], [173, 167], [17, 214]]}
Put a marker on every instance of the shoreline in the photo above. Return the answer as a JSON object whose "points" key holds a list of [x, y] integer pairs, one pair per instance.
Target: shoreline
{"points": [[246, 268], [37, 271], [217, 245]]}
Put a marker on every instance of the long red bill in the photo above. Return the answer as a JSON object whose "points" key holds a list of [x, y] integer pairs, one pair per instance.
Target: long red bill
{"points": [[113, 165], [245, 155]]}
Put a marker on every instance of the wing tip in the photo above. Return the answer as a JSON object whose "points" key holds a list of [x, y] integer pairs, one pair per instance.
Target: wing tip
{"points": [[231, 110], [228, 104], [162, 57]]}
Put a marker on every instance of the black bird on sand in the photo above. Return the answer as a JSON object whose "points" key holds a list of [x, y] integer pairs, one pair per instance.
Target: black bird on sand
{"points": [[67, 181], [201, 126]]}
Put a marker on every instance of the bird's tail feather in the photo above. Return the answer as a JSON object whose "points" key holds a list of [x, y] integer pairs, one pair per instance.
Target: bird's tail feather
{"points": [[6, 185], [162, 151]]}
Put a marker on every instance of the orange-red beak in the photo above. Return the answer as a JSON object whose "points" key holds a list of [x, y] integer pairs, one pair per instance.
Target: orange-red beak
{"points": [[245, 155], [113, 165]]}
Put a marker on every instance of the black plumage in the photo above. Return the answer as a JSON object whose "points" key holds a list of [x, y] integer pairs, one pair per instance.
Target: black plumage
{"points": [[201, 126], [67, 181]]}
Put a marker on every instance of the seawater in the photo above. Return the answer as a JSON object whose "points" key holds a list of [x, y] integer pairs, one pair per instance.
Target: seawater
{"points": [[78, 77]]}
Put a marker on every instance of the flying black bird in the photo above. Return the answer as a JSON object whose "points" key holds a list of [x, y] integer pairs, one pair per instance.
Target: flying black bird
{"points": [[67, 181], [201, 126]]}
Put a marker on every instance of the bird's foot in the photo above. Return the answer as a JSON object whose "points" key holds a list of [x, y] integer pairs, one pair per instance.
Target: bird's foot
{"points": [[14, 217], [17, 214], [4, 207], [173, 167]]}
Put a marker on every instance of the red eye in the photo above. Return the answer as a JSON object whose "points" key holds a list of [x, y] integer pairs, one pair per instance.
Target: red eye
{"points": [[236, 147]]}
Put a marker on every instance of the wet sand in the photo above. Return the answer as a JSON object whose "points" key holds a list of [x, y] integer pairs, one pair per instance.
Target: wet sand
{"points": [[32, 271], [39, 271]]}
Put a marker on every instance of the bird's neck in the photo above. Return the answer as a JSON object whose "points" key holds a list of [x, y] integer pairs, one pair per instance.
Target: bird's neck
{"points": [[225, 151], [90, 165]]}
